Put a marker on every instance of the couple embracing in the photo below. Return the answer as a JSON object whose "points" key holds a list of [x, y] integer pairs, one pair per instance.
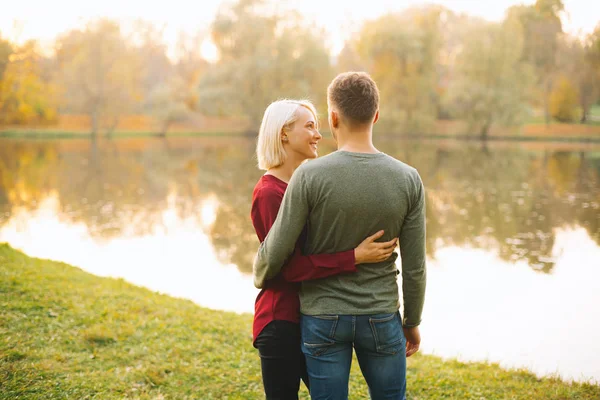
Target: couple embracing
{"points": [[326, 264]]}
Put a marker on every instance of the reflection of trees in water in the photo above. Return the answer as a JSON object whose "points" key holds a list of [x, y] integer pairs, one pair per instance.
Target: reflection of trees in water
{"points": [[514, 197], [24, 178], [122, 187], [115, 191], [508, 199], [114, 188], [233, 176]]}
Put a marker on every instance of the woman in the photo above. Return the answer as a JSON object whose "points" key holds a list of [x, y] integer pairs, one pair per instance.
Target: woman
{"points": [[289, 136]]}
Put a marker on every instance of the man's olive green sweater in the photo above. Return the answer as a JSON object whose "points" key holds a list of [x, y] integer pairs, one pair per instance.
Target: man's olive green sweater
{"points": [[342, 198]]}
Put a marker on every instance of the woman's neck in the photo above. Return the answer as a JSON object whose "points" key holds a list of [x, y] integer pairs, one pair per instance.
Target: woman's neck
{"points": [[285, 170]]}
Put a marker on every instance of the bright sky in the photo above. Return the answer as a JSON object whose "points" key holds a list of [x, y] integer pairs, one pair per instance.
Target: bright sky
{"points": [[43, 19]]}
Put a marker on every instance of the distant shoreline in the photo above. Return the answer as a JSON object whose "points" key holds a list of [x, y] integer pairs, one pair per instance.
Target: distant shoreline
{"points": [[53, 134]]}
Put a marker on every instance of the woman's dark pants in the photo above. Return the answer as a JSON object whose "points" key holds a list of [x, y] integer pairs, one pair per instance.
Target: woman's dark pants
{"points": [[281, 360]]}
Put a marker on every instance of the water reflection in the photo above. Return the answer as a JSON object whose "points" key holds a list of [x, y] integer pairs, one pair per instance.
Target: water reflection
{"points": [[508, 199], [482, 307], [175, 256], [513, 232]]}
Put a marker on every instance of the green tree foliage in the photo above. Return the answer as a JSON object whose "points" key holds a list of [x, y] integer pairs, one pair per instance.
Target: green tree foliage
{"points": [[490, 82], [564, 100], [593, 42], [401, 52], [25, 96], [575, 61], [542, 30], [592, 59], [264, 56], [99, 72]]}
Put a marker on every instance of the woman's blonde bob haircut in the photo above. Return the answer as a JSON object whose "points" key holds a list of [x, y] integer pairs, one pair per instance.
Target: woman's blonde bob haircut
{"points": [[279, 118]]}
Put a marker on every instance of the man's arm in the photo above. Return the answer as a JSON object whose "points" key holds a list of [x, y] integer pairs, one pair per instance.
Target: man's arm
{"points": [[412, 250], [281, 240]]}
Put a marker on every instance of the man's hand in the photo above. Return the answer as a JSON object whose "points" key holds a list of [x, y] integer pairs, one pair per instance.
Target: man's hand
{"points": [[413, 340], [370, 251]]}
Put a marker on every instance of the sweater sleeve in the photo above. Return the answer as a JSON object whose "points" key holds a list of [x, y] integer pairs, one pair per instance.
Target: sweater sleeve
{"points": [[412, 249], [280, 247], [303, 268], [299, 267]]}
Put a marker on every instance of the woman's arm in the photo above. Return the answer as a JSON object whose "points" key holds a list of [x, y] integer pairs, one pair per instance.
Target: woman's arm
{"points": [[301, 267], [316, 266], [298, 267]]}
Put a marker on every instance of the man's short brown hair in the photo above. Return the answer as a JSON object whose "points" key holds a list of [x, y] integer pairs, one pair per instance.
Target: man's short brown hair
{"points": [[356, 96]]}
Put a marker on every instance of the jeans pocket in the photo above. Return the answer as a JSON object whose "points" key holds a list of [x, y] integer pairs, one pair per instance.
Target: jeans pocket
{"points": [[388, 334], [318, 333]]}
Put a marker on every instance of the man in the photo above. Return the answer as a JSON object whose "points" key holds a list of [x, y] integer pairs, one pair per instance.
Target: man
{"points": [[340, 199]]}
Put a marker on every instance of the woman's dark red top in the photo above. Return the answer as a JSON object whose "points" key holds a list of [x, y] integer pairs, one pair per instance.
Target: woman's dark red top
{"points": [[278, 300]]}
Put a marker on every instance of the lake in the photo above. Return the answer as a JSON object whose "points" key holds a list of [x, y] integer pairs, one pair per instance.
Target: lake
{"points": [[513, 232]]}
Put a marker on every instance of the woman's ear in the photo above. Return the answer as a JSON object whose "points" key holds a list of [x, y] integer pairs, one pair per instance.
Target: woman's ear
{"points": [[284, 137]]}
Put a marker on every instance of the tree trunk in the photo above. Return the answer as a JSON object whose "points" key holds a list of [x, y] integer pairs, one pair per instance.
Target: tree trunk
{"points": [[95, 117], [547, 90], [94, 153], [485, 129], [112, 127], [585, 105], [164, 128]]}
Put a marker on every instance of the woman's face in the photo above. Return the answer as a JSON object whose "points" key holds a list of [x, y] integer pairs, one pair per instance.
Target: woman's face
{"points": [[304, 136]]}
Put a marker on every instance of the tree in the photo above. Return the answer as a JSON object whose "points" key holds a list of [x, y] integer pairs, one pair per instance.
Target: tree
{"points": [[490, 86], [155, 68], [190, 67], [590, 84], [168, 88], [263, 56], [542, 28], [169, 103], [564, 100], [349, 59], [5, 51], [99, 73], [400, 51], [25, 97], [578, 84]]}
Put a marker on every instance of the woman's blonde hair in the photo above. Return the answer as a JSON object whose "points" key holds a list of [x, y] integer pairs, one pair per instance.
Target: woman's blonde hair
{"points": [[279, 117]]}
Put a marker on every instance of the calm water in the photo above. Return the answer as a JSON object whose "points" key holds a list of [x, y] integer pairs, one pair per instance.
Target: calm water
{"points": [[513, 233]]}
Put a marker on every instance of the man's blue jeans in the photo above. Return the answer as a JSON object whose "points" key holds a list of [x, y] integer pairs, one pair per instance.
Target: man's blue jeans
{"points": [[380, 345]]}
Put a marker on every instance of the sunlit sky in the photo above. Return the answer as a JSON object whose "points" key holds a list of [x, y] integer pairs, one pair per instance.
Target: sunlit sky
{"points": [[44, 20]]}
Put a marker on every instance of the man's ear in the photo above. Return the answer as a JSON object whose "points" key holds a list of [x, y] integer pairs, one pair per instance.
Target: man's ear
{"points": [[376, 117], [335, 119]]}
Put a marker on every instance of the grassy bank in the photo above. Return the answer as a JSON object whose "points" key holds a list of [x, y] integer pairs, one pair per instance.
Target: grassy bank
{"points": [[66, 334]]}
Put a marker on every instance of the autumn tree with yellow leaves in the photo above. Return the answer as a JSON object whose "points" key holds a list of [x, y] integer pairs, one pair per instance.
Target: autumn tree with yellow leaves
{"points": [[26, 97]]}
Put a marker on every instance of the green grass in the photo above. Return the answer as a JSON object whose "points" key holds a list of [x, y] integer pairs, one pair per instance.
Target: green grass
{"points": [[66, 334]]}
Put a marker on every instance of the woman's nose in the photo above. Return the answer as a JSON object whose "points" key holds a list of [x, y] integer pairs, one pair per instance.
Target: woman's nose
{"points": [[318, 135]]}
